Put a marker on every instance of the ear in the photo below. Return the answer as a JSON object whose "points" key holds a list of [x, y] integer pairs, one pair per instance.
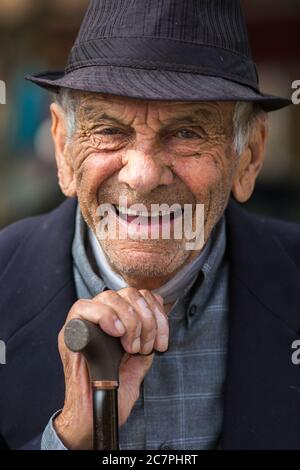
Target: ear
{"points": [[65, 170], [250, 162]]}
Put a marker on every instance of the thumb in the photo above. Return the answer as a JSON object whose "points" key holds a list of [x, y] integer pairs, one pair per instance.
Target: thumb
{"points": [[131, 374], [134, 368]]}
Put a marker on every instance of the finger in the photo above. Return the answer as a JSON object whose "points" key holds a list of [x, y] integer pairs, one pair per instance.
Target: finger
{"points": [[159, 298], [131, 374], [127, 315], [148, 320], [98, 313], [162, 336], [147, 317]]}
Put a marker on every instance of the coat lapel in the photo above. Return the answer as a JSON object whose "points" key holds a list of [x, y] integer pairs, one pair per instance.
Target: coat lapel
{"points": [[262, 393], [36, 293], [39, 269]]}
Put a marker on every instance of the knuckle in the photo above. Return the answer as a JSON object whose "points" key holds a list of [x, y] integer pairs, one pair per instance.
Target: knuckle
{"points": [[148, 336], [79, 306], [126, 344], [104, 318], [81, 303], [107, 294], [149, 324], [149, 297], [129, 292], [145, 293], [133, 326], [130, 320]]}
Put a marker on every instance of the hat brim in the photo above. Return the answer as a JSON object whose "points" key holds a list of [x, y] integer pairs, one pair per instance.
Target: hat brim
{"points": [[155, 85]]}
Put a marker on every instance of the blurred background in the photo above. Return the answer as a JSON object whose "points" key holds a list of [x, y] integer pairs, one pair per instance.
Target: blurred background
{"points": [[37, 35]]}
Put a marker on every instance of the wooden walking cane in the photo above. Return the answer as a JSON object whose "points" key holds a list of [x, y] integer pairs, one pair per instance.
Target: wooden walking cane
{"points": [[103, 354]]}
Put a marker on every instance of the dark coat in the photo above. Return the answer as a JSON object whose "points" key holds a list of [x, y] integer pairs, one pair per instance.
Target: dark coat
{"points": [[262, 396]]}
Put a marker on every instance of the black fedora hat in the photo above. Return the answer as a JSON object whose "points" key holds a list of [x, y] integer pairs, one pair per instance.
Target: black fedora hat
{"points": [[178, 50]]}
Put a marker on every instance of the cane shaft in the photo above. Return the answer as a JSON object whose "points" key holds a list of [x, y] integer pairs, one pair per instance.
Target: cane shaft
{"points": [[105, 415]]}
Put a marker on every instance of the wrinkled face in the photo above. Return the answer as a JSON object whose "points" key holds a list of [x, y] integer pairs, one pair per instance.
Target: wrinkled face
{"points": [[151, 152]]}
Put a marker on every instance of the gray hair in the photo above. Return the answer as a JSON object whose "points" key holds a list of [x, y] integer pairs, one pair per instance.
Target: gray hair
{"points": [[246, 116], [67, 100]]}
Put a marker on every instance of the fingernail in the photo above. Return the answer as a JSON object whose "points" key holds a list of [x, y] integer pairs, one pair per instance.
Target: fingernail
{"points": [[136, 345], [120, 327]]}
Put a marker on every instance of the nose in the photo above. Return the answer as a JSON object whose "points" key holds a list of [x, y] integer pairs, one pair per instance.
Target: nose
{"points": [[143, 172]]}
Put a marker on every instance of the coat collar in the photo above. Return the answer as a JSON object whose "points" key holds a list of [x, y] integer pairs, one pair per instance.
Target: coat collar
{"points": [[36, 293]]}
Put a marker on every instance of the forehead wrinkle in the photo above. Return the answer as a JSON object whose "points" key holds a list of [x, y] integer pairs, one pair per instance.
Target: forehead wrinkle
{"points": [[122, 115], [193, 112], [205, 110], [92, 114], [187, 119], [199, 117]]}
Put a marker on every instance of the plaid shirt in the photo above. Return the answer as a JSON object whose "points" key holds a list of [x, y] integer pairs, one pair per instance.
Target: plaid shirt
{"points": [[181, 400]]}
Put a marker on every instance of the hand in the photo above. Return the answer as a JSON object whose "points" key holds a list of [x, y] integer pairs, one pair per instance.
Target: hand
{"points": [[138, 318]]}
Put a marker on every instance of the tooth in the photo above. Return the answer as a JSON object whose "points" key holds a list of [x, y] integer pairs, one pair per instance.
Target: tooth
{"points": [[128, 211]]}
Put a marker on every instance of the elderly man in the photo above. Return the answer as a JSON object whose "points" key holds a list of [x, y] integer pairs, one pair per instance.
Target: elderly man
{"points": [[159, 104]]}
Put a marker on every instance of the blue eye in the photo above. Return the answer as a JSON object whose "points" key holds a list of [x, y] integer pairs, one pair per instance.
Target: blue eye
{"points": [[186, 134]]}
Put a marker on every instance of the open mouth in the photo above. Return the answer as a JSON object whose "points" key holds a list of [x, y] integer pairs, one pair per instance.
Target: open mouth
{"points": [[147, 217]]}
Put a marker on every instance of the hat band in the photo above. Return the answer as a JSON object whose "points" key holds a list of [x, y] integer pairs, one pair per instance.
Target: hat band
{"points": [[164, 54]]}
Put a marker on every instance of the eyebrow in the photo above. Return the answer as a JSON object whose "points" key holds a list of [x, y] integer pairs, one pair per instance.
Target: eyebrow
{"points": [[187, 119], [107, 117]]}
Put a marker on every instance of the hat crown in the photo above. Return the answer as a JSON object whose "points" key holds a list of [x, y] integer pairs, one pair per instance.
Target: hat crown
{"points": [[182, 50], [219, 23]]}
